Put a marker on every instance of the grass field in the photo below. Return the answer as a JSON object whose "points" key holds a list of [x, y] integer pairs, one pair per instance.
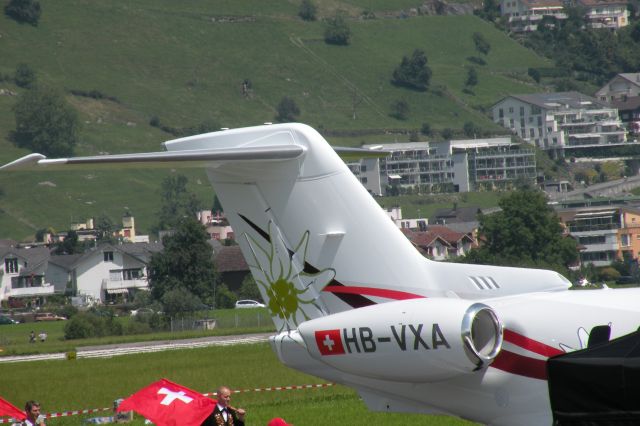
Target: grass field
{"points": [[14, 339], [96, 383], [184, 63]]}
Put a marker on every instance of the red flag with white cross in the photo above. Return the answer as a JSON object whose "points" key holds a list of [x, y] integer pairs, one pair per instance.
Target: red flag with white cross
{"points": [[169, 404], [329, 342]]}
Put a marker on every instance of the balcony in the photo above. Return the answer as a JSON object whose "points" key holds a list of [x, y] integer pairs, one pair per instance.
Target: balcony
{"points": [[45, 289], [113, 286]]}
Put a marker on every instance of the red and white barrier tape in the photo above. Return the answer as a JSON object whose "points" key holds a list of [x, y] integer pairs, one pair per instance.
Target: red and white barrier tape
{"points": [[278, 388], [97, 410]]}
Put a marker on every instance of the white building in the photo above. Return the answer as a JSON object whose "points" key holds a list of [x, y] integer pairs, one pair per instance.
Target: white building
{"points": [[23, 273], [525, 15], [605, 14], [103, 272], [453, 166], [560, 122]]}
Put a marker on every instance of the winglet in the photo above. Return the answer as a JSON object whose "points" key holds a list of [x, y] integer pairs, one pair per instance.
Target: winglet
{"points": [[26, 162]]}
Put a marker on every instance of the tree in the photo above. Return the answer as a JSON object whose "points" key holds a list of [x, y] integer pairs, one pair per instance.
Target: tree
{"points": [[526, 232], [249, 289], [472, 77], [105, 227], [307, 10], [447, 133], [400, 109], [70, 245], [25, 76], [425, 129], [186, 262], [337, 31], [24, 11], [45, 123], [287, 110], [217, 206], [176, 203], [179, 301], [481, 43], [470, 129], [413, 72]]}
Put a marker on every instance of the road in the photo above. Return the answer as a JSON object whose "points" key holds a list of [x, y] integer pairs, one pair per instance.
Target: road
{"points": [[108, 351]]}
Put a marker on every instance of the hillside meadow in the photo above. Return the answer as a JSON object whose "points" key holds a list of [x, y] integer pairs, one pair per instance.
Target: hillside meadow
{"points": [[184, 63], [96, 383]]}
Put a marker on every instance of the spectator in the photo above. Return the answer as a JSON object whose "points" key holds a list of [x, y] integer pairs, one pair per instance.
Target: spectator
{"points": [[32, 337], [42, 336], [32, 410], [224, 414]]}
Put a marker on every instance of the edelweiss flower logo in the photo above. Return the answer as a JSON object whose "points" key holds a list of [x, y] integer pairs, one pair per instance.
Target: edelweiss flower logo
{"points": [[293, 295]]}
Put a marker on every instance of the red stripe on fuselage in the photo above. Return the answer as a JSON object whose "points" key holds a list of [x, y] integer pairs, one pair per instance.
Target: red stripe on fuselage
{"points": [[521, 365], [530, 344], [369, 291]]}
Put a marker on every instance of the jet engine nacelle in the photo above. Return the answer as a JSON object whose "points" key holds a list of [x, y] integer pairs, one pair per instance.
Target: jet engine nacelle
{"points": [[411, 340]]}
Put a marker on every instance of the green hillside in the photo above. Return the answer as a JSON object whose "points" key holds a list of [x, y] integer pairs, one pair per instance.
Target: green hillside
{"points": [[184, 62]]}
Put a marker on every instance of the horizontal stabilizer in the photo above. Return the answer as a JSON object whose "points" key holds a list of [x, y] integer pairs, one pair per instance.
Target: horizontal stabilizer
{"points": [[170, 159]]}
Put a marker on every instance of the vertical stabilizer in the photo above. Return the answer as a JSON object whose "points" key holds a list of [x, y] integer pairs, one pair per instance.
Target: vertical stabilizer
{"points": [[316, 242]]}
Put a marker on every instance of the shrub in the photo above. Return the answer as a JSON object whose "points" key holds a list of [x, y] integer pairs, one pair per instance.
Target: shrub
{"points": [[337, 31], [79, 327], [425, 129], [224, 297], [288, 110], [400, 109], [24, 11], [413, 72], [25, 76], [307, 10]]}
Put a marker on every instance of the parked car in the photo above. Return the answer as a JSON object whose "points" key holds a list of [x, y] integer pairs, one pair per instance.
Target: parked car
{"points": [[142, 311], [249, 304], [48, 316], [6, 320]]}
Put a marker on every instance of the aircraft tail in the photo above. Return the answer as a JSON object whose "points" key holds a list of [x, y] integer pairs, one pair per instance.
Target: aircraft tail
{"points": [[315, 240]]}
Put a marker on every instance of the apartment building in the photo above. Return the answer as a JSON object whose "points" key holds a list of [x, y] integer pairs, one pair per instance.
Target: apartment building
{"points": [[605, 14], [607, 233], [452, 166], [562, 123], [526, 15]]}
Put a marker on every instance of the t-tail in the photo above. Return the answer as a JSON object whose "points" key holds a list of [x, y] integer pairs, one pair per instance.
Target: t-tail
{"points": [[317, 243]]}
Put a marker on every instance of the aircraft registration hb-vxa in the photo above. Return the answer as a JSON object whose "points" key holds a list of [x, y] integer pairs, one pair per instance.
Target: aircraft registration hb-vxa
{"points": [[355, 303]]}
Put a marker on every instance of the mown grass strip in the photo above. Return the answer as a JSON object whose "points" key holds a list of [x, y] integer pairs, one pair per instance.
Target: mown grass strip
{"points": [[92, 383]]}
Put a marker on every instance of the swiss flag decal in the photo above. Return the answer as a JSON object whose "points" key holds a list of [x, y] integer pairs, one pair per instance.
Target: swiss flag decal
{"points": [[329, 342]]}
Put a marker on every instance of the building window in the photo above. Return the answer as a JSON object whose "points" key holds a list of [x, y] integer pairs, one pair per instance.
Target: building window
{"points": [[511, 110], [363, 168], [521, 111], [11, 266], [363, 180], [625, 240], [532, 132], [500, 113], [511, 123], [108, 256]]}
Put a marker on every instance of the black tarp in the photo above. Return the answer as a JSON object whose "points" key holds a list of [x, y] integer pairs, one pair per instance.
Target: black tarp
{"points": [[599, 385]]}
